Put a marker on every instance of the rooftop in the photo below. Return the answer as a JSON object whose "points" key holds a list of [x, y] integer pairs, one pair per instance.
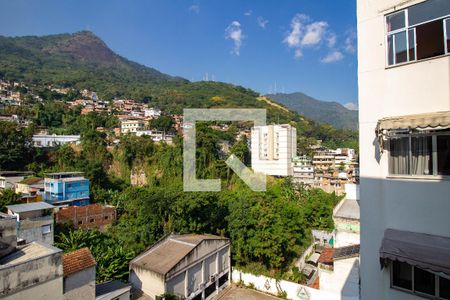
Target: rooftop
{"points": [[19, 208], [63, 175], [31, 180], [110, 287], [77, 260], [15, 173], [326, 257], [346, 252], [348, 210], [30, 251], [166, 254]]}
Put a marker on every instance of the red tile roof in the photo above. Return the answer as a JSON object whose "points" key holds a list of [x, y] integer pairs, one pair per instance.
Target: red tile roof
{"points": [[77, 260], [326, 257]]}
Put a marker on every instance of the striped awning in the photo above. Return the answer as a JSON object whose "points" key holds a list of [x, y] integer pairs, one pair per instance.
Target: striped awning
{"points": [[427, 121], [436, 120]]}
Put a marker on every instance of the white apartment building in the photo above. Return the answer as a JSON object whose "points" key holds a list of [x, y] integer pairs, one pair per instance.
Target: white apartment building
{"points": [[273, 147], [53, 140], [131, 126], [404, 113], [303, 170]]}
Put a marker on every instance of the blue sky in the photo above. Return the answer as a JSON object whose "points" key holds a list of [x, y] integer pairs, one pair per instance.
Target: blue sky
{"points": [[267, 45]]}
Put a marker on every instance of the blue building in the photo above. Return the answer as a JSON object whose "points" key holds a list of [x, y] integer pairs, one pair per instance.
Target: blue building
{"points": [[66, 188]]}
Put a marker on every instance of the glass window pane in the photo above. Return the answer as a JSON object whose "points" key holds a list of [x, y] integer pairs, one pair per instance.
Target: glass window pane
{"points": [[430, 39], [447, 29], [399, 156], [400, 47], [443, 154], [421, 156], [412, 45], [424, 281], [390, 50], [402, 275], [428, 10], [395, 21], [444, 288]]}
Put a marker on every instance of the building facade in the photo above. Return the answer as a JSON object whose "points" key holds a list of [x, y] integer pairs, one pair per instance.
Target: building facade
{"points": [[34, 221], [32, 271], [303, 170], [131, 126], [89, 216], [53, 140], [404, 113], [69, 188], [189, 266], [273, 147]]}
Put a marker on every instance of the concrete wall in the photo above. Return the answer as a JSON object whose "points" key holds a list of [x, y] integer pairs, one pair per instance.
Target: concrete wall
{"points": [[176, 285], [343, 280], [405, 204], [33, 274], [8, 240], [31, 230], [80, 285], [52, 289], [150, 283], [274, 287]]}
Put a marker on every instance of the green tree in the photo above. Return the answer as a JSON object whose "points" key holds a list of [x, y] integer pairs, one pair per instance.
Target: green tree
{"points": [[163, 123], [15, 146], [8, 197]]}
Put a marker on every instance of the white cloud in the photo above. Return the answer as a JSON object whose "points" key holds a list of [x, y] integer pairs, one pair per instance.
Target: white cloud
{"points": [[351, 106], [314, 33], [350, 41], [331, 40], [262, 22], [305, 33], [332, 57], [298, 54], [234, 32], [195, 8], [293, 38], [248, 13]]}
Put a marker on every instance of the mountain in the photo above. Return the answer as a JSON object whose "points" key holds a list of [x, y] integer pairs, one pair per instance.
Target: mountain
{"points": [[331, 113], [80, 60]]}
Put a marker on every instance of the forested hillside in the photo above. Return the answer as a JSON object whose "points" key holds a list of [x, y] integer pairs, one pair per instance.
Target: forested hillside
{"points": [[332, 113], [83, 61]]}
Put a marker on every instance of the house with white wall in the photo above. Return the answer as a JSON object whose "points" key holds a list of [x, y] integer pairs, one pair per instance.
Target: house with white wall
{"points": [[190, 266]]}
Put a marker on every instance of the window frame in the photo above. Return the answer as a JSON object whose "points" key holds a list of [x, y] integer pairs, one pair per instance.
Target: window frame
{"points": [[413, 291], [434, 152], [406, 29]]}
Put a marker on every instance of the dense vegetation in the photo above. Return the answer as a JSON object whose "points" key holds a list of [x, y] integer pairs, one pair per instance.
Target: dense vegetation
{"points": [[269, 230]]}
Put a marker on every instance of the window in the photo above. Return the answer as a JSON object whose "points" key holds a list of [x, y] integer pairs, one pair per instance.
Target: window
{"points": [[418, 32], [420, 153], [447, 36], [419, 281], [46, 229], [443, 155]]}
